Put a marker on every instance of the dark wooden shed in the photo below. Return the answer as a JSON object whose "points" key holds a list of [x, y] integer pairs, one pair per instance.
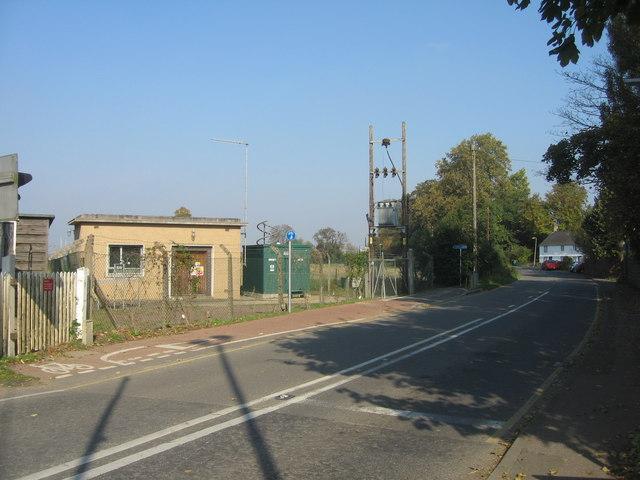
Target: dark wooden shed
{"points": [[32, 242]]}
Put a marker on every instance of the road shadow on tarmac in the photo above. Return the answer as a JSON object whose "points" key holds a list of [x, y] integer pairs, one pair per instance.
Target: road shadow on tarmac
{"points": [[472, 388]]}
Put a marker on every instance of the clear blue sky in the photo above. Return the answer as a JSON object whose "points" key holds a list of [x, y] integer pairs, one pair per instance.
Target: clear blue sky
{"points": [[111, 105]]}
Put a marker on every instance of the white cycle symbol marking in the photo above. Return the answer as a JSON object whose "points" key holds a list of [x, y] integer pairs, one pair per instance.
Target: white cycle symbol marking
{"points": [[62, 368]]}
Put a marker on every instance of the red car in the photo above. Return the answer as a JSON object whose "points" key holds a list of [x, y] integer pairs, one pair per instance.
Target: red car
{"points": [[550, 265]]}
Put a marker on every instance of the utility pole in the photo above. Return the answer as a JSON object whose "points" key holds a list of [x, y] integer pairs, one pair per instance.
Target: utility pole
{"points": [[371, 216], [405, 207], [374, 173], [474, 277]]}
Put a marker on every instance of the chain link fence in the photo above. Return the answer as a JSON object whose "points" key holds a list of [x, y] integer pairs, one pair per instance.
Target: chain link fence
{"points": [[187, 289]]}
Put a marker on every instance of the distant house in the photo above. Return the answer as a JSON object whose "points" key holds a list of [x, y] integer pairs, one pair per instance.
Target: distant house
{"points": [[559, 245], [153, 256]]}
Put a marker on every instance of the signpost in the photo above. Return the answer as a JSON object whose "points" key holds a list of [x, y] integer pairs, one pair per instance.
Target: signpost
{"points": [[460, 248], [291, 235]]}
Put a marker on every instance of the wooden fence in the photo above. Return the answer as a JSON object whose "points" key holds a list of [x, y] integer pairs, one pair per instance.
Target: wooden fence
{"points": [[39, 310]]}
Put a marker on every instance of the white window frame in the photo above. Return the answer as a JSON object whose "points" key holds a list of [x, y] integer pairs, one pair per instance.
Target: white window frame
{"points": [[120, 269]]}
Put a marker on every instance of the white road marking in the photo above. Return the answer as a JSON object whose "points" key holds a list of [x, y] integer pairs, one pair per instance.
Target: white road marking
{"points": [[105, 358], [424, 345], [30, 395], [432, 417], [62, 367]]}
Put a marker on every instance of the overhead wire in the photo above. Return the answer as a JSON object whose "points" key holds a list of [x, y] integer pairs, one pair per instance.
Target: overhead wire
{"points": [[393, 164]]}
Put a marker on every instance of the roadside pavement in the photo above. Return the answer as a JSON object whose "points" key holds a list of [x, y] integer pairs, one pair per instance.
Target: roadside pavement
{"points": [[584, 418]]}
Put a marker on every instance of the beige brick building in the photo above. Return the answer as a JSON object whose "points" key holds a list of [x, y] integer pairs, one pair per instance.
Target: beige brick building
{"points": [[181, 256]]}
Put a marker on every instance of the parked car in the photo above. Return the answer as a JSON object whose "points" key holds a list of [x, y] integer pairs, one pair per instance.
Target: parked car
{"points": [[550, 265], [577, 267]]}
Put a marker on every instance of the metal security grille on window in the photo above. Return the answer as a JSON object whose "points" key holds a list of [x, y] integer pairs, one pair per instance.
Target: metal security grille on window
{"points": [[125, 260]]}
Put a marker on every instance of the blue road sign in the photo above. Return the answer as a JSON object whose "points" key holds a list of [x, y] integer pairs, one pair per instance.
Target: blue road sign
{"points": [[460, 247], [291, 235]]}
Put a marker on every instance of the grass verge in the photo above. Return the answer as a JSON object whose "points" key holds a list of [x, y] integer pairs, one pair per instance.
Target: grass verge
{"points": [[11, 378]]}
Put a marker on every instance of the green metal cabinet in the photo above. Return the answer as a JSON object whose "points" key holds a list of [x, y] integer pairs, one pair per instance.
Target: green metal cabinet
{"points": [[262, 271]]}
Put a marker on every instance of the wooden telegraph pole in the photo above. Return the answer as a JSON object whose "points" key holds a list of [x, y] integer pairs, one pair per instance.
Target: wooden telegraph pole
{"points": [[474, 277], [374, 173], [371, 216]]}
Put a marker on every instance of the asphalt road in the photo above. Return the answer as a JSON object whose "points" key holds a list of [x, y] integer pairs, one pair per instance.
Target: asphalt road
{"points": [[429, 393]]}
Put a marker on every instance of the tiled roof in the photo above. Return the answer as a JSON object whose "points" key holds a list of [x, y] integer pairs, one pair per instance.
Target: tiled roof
{"points": [[559, 238]]}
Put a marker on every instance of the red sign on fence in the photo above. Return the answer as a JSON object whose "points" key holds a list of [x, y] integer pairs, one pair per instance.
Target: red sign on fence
{"points": [[47, 284]]}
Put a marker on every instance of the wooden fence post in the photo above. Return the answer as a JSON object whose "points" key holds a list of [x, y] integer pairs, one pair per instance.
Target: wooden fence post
{"points": [[82, 295], [8, 314], [229, 278]]}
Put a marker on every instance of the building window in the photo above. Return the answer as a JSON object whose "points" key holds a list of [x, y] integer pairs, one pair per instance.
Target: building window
{"points": [[562, 248], [545, 249], [125, 260]]}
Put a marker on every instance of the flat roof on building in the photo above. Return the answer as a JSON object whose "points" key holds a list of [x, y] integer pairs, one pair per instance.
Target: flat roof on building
{"points": [[92, 218]]}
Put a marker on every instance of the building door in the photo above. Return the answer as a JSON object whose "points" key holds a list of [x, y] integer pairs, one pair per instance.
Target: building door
{"points": [[191, 271]]}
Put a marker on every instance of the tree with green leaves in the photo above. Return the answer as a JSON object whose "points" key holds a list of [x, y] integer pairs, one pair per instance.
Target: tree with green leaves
{"points": [[594, 238], [607, 153], [566, 205], [441, 209], [585, 16], [357, 263]]}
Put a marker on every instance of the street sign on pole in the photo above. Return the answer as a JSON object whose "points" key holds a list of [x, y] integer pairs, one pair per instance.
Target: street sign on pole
{"points": [[460, 247], [291, 235]]}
